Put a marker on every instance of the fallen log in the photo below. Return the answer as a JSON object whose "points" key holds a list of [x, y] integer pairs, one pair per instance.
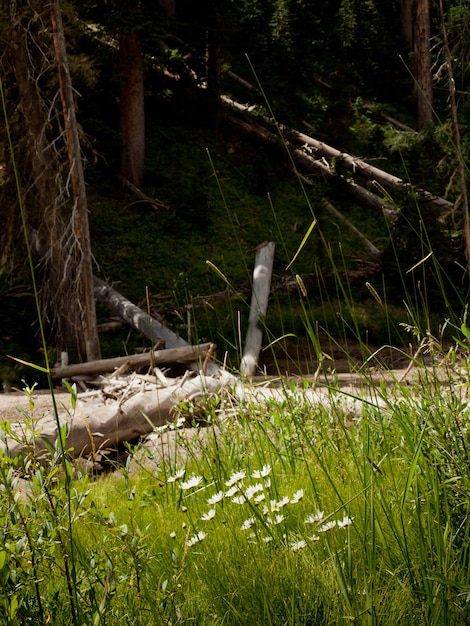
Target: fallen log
{"points": [[143, 323], [92, 427], [310, 165], [334, 211], [171, 355], [354, 164], [140, 195], [358, 166]]}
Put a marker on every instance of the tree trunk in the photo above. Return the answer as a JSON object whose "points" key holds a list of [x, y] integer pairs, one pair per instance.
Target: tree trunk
{"points": [[462, 166], [259, 305], [80, 210], [45, 198], [423, 64], [132, 110]]}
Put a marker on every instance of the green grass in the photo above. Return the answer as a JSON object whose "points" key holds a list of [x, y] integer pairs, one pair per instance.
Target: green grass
{"points": [[292, 512]]}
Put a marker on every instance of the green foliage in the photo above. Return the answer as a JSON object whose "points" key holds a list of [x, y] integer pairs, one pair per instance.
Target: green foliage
{"points": [[306, 510]]}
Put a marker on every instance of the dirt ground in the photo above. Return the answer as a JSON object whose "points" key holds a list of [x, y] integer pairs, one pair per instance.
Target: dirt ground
{"points": [[14, 405]]}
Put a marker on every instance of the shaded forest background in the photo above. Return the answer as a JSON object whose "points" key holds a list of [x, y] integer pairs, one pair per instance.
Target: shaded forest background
{"points": [[352, 71]]}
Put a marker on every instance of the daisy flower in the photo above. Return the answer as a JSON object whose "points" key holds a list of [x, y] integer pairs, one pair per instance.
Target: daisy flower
{"points": [[346, 521], [327, 526], [179, 474], [217, 497], [192, 482], [262, 473], [315, 517], [196, 539], [252, 490], [209, 515], [236, 478], [239, 499], [248, 523], [297, 497], [295, 547]]}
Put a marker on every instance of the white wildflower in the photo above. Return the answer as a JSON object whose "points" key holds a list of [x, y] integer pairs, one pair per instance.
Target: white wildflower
{"points": [[193, 481], [314, 538], [259, 498], [248, 523], [217, 497], [262, 473], [209, 515], [236, 478], [315, 517], [177, 476], [252, 490], [267, 539], [277, 506], [297, 497], [173, 535], [232, 491], [295, 547], [328, 526], [278, 519], [239, 499], [180, 422], [199, 537], [346, 521]]}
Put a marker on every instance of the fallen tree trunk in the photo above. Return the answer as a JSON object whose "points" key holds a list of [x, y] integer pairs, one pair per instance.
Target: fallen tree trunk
{"points": [[357, 166], [171, 355], [140, 195], [143, 323], [309, 165], [92, 428], [354, 164], [334, 211]]}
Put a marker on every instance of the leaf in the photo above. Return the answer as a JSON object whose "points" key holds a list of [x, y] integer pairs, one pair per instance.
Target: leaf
{"points": [[303, 242], [33, 365]]}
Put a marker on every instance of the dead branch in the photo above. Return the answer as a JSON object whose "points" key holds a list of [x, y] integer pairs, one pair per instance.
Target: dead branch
{"points": [[171, 355], [140, 195]]}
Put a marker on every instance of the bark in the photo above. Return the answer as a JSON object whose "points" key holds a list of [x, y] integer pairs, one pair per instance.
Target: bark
{"points": [[259, 304], [92, 428], [132, 110], [423, 64], [131, 314], [172, 355], [80, 211]]}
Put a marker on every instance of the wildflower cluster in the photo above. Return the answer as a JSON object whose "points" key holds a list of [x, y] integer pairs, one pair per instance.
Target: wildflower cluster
{"points": [[270, 518]]}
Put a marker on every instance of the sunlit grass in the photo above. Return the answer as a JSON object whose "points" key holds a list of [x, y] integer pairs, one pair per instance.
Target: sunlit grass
{"points": [[286, 512]]}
